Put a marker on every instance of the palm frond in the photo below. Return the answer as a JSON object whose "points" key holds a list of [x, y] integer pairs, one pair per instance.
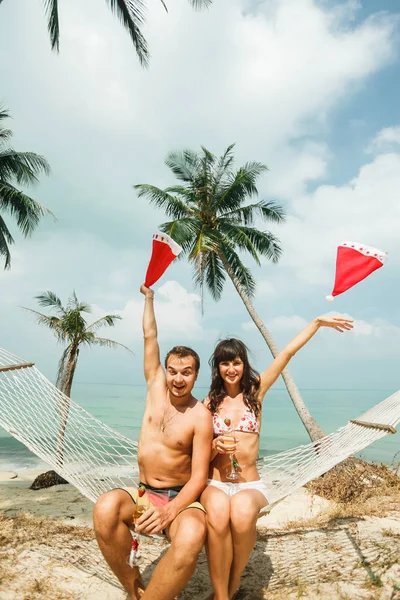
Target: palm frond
{"points": [[106, 320], [52, 322], [207, 240], [22, 207], [6, 239], [268, 211], [184, 165], [174, 207], [50, 299], [214, 275], [238, 187], [97, 341], [74, 305], [24, 167], [5, 134], [4, 113], [240, 272], [131, 13], [225, 162], [238, 236], [182, 231], [200, 4], [254, 241], [53, 25]]}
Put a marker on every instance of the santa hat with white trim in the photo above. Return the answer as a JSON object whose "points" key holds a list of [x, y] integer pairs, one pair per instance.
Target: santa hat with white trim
{"points": [[164, 251], [354, 262]]}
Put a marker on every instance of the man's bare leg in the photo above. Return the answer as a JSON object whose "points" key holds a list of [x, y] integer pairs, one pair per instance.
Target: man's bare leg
{"points": [[112, 519], [187, 533]]}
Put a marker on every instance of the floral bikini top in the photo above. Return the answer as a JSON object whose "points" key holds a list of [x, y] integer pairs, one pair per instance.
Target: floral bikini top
{"points": [[248, 423]]}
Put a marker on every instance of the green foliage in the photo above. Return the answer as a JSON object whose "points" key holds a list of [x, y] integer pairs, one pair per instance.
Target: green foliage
{"points": [[211, 219], [131, 13], [24, 169], [70, 327]]}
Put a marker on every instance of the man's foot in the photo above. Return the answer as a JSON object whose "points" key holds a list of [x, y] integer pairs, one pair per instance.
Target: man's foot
{"points": [[138, 590]]}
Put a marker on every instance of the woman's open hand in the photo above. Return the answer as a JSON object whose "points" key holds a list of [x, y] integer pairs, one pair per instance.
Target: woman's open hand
{"points": [[339, 323], [223, 444]]}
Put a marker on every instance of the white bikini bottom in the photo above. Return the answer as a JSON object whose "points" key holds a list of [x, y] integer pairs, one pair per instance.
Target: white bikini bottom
{"points": [[230, 488]]}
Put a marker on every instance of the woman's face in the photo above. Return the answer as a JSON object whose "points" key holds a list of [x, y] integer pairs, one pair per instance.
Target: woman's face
{"points": [[231, 371]]}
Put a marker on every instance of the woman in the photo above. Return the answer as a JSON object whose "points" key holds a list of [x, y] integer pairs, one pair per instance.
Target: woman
{"points": [[235, 401]]}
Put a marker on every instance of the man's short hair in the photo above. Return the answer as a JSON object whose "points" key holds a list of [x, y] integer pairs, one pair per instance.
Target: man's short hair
{"points": [[183, 352]]}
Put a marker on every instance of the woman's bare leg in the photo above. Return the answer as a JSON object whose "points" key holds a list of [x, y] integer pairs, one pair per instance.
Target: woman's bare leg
{"points": [[245, 506], [219, 540]]}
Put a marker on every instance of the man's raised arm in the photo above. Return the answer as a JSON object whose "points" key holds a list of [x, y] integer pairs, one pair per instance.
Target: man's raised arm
{"points": [[152, 364]]}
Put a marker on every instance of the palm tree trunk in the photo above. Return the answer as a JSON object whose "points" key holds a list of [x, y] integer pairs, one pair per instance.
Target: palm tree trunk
{"points": [[66, 379], [313, 429]]}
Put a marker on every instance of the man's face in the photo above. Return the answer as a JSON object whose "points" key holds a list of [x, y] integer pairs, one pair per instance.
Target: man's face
{"points": [[181, 375]]}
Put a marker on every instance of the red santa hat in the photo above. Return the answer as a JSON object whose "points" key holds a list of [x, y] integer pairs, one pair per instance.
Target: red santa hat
{"points": [[164, 251], [354, 262]]}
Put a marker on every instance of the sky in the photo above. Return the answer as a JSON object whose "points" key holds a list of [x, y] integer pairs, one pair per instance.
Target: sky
{"points": [[308, 87]]}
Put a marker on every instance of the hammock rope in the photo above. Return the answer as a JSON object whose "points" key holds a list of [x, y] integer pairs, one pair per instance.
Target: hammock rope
{"points": [[95, 458]]}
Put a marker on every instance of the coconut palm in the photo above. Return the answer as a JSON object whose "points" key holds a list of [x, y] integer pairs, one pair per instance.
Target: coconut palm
{"points": [[22, 168], [70, 327], [214, 224], [131, 13]]}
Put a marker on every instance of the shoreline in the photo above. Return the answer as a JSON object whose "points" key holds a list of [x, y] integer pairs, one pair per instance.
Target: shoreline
{"points": [[50, 541]]}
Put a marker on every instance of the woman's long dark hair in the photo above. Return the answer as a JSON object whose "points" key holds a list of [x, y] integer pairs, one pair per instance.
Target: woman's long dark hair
{"points": [[228, 350]]}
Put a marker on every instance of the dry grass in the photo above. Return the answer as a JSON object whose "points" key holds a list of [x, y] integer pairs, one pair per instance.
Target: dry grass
{"points": [[44, 587], [26, 529], [357, 481], [24, 532]]}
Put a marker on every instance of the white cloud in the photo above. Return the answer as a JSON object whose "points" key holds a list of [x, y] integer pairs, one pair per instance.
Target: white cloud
{"points": [[178, 315], [386, 139], [365, 209]]}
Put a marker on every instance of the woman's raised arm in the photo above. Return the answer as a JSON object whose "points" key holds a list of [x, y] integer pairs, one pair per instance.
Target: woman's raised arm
{"points": [[271, 374]]}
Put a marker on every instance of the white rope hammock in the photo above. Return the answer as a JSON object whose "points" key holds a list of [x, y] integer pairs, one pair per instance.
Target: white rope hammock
{"points": [[95, 458]]}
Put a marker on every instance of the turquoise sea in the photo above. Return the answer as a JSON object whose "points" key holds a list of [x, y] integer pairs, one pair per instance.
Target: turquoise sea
{"points": [[121, 407]]}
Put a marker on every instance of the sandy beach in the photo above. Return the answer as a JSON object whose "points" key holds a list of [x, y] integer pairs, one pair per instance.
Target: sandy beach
{"points": [[47, 550]]}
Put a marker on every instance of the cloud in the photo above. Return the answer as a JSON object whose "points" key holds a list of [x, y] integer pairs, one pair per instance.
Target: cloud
{"points": [[386, 139], [365, 209], [178, 314]]}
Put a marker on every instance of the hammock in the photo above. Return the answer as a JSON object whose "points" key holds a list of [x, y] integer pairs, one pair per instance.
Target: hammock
{"points": [[95, 458]]}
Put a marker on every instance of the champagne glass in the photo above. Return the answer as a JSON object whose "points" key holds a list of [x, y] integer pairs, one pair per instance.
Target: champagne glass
{"points": [[141, 505], [230, 439]]}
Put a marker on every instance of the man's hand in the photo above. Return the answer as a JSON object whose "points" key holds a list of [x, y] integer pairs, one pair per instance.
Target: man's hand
{"points": [[338, 323], [146, 291], [155, 519]]}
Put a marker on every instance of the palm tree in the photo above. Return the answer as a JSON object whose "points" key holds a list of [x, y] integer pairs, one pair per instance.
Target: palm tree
{"points": [[24, 169], [70, 327], [131, 13], [213, 224]]}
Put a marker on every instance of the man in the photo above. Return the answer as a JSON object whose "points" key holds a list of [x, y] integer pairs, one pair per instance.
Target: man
{"points": [[173, 457]]}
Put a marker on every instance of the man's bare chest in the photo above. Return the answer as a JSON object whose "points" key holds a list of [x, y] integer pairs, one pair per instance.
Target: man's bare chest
{"points": [[173, 429]]}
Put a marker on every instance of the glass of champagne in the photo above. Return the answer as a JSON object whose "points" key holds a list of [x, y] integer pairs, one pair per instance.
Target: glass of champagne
{"points": [[230, 439], [141, 505]]}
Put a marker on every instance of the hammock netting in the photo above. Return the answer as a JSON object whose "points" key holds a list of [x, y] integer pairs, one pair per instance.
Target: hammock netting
{"points": [[95, 458]]}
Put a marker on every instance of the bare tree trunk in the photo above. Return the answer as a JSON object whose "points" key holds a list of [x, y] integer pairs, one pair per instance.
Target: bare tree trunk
{"points": [[313, 429], [66, 379]]}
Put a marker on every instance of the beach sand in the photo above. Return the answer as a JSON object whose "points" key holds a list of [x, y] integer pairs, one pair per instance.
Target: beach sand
{"points": [[48, 551]]}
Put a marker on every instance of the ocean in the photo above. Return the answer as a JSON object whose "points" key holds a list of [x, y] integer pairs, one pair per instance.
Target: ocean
{"points": [[121, 407]]}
